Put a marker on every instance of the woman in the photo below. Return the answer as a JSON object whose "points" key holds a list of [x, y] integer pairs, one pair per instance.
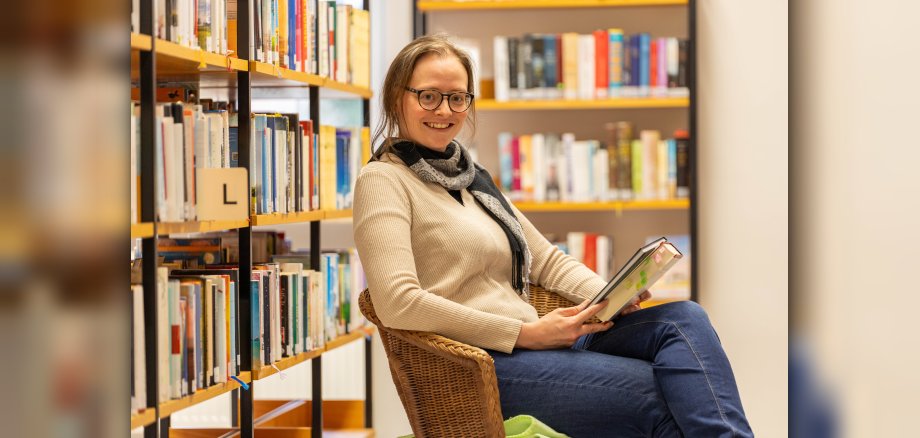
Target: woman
{"points": [[445, 252]]}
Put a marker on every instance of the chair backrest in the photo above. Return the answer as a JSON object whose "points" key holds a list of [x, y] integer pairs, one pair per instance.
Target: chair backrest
{"points": [[446, 387]]}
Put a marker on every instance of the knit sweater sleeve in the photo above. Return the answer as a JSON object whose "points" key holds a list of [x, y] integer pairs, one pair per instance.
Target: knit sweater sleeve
{"points": [[555, 270], [382, 230]]}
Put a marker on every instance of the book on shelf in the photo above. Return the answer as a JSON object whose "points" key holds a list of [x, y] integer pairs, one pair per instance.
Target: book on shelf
{"points": [[639, 273], [543, 167], [605, 63]]}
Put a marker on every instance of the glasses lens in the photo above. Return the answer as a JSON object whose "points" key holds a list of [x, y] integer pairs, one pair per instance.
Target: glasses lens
{"points": [[459, 102], [429, 99]]}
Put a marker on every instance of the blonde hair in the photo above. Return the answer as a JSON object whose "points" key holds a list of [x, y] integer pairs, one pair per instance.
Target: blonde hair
{"points": [[400, 73]]}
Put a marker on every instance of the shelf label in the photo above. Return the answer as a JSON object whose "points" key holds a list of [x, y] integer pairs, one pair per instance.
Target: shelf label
{"points": [[222, 194]]}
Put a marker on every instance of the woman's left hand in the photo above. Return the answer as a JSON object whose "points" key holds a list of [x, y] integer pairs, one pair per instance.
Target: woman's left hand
{"points": [[634, 305]]}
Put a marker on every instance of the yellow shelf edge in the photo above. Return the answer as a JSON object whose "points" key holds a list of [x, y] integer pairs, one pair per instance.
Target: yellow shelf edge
{"points": [[538, 4], [675, 204], [148, 416], [283, 73], [338, 214], [170, 49], [142, 230], [283, 364], [165, 228], [289, 218], [616, 103], [170, 407], [348, 88], [140, 41]]}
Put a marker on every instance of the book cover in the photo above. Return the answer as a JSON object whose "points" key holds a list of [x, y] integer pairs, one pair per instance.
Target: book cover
{"points": [[640, 273]]}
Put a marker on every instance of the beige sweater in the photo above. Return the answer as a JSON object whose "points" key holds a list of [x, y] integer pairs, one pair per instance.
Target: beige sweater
{"points": [[435, 265]]}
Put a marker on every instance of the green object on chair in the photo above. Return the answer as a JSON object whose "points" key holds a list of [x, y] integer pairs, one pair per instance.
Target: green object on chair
{"points": [[525, 426]]}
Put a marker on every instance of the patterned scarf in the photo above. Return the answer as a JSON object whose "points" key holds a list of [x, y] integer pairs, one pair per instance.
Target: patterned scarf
{"points": [[454, 170]]}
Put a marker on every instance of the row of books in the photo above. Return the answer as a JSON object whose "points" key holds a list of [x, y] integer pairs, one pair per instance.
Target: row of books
{"points": [[295, 170], [548, 167], [592, 249], [293, 310], [187, 137], [321, 37], [599, 65]]}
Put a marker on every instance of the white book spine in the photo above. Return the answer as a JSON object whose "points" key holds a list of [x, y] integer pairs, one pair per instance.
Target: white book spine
{"points": [[500, 67]]}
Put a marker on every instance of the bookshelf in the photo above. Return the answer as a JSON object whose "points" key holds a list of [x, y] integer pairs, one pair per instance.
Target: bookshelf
{"points": [[475, 23], [157, 63], [464, 5], [622, 103]]}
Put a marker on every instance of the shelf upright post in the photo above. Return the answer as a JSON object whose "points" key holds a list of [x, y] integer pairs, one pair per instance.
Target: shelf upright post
{"points": [[148, 211], [419, 22], [316, 363], [244, 292], [694, 135], [368, 362]]}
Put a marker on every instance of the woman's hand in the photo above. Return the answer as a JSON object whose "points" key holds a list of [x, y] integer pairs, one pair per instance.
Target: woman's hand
{"points": [[561, 327], [634, 305]]}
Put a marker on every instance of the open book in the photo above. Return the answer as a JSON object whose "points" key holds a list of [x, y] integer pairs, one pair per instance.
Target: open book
{"points": [[645, 267]]}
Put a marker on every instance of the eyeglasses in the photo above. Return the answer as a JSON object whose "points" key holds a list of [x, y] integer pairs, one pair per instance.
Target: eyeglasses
{"points": [[430, 100]]}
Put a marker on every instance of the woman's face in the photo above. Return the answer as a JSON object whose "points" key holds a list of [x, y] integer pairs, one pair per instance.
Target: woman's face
{"points": [[433, 129]]}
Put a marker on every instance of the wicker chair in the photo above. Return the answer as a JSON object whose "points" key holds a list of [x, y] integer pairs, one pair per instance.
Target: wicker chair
{"points": [[447, 388]]}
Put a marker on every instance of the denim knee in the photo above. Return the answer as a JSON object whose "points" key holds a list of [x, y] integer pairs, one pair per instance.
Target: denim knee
{"points": [[689, 311]]}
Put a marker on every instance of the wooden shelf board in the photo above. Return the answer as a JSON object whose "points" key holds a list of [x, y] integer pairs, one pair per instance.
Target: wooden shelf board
{"points": [[166, 228], [173, 59], [338, 214], [286, 363], [140, 41], [617, 103], [169, 407], [656, 302], [141, 230], [144, 418], [289, 362], [349, 88], [676, 204], [269, 74], [455, 5], [289, 218]]}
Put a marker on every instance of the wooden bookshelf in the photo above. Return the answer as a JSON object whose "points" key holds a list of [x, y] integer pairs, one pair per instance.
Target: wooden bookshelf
{"points": [[144, 418], [466, 5], [283, 364], [288, 218], [617, 103], [338, 214], [141, 230], [140, 41], [564, 207], [270, 75], [175, 59], [168, 408], [166, 228]]}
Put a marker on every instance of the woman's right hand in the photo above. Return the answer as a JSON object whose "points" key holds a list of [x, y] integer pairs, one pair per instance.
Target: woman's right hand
{"points": [[561, 327]]}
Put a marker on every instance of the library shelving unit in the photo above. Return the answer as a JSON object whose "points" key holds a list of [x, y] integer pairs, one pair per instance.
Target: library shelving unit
{"points": [[463, 18], [154, 61]]}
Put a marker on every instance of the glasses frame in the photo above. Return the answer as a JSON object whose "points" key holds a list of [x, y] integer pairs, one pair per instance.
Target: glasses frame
{"points": [[418, 95]]}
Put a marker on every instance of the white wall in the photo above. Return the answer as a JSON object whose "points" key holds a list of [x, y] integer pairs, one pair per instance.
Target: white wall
{"points": [[743, 201]]}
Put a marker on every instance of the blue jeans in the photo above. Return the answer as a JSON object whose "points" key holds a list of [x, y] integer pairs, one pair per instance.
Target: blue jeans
{"points": [[660, 371]]}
